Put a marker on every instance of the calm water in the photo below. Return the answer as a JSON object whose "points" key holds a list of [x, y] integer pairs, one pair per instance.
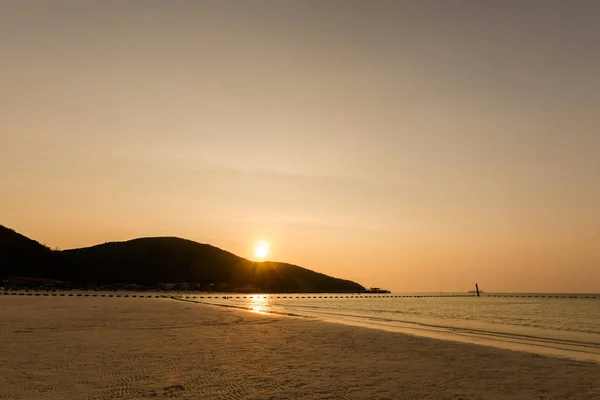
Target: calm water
{"points": [[559, 326]]}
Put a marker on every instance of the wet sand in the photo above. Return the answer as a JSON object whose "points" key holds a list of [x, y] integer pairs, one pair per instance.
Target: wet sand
{"points": [[133, 348]]}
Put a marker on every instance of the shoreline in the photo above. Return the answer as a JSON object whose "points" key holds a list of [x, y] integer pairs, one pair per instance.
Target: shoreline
{"points": [[574, 345], [102, 348], [551, 344]]}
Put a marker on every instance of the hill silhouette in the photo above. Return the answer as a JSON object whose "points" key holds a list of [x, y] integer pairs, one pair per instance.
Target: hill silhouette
{"points": [[19, 253], [153, 261]]}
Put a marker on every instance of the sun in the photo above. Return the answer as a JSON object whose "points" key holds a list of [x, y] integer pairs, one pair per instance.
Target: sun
{"points": [[262, 249]]}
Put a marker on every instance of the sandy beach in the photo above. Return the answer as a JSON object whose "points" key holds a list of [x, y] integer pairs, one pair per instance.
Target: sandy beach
{"points": [[132, 348]]}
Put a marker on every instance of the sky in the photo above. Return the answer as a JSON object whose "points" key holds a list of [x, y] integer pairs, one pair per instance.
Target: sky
{"points": [[411, 145]]}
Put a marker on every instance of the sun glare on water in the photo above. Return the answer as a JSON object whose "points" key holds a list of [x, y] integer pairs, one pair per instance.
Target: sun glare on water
{"points": [[262, 250], [259, 304]]}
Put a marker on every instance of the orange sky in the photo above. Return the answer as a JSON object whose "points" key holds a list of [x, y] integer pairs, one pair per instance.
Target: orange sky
{"points": [[417, 146]]}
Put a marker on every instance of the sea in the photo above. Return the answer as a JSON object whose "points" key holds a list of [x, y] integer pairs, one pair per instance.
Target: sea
{"points": [[560, 325]]}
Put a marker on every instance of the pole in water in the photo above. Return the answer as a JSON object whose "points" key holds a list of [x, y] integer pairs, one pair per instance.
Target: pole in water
{"points": [[477, 289]]}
